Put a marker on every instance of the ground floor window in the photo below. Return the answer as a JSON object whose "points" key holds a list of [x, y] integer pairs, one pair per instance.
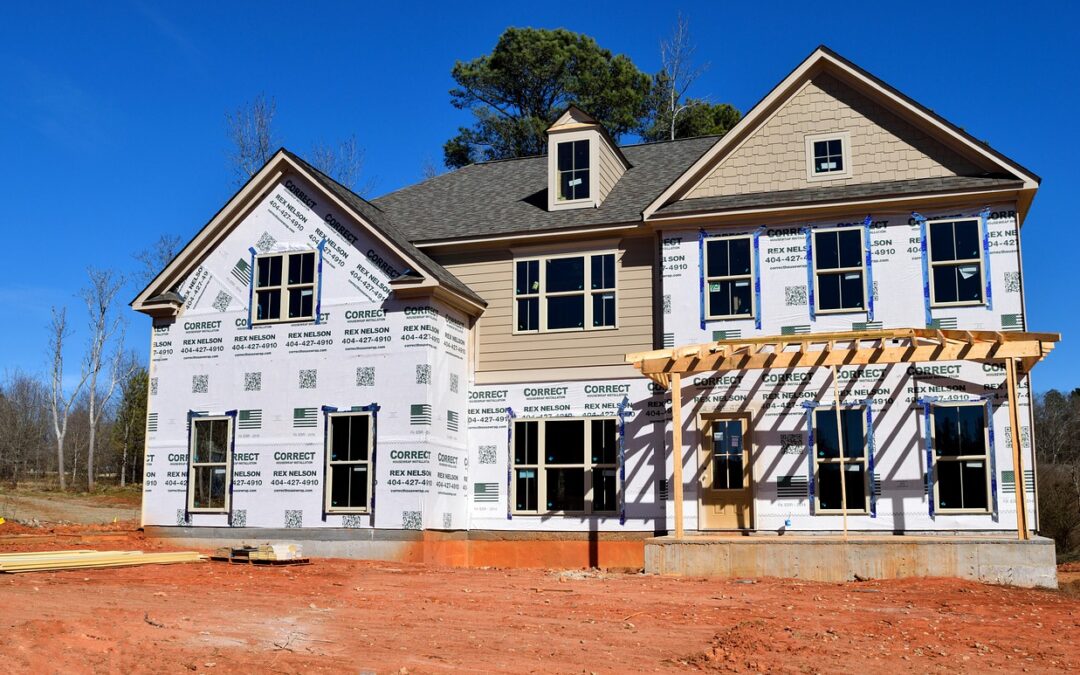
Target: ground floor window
{"points": [[348, 462], [565, 466], [962, 478], [209, 464], [827, 465]]}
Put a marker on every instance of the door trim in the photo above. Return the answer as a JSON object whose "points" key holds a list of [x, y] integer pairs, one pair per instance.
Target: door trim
{"points": [[703, 464]]}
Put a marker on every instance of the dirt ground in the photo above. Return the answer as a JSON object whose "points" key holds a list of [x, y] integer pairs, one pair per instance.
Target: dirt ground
{"points": [[352, 616], [41, 506]]}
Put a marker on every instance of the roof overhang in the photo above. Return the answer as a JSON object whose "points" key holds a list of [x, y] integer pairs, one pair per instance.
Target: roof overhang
{"points": [[825, 60], [159, 297], [850, 348]]}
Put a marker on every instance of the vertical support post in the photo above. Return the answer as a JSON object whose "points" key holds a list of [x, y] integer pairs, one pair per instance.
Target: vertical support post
{"points": [[1018, 468], [677, 449], [840, 440]]}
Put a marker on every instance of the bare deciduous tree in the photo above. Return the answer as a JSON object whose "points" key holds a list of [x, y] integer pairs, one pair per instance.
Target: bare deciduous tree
{"points": [[678, 71], [106, 330], [345, 164], [155, 257], [59, 404], [428, 169], [250, 129]]}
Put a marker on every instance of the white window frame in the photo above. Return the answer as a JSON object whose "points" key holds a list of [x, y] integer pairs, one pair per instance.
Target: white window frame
{"points": [[541, 466], [839, 270], [955, 263], [227, 464], [329, 468], [284, 287], [558, 174], [588, 292], [848, 461], [985, 457], [845, 152], [730, 277]]}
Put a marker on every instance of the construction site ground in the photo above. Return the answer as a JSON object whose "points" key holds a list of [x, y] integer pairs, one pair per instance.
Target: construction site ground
{"points": [[356, 616]]}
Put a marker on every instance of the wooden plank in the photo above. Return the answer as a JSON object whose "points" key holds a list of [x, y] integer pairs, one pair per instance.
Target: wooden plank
{"points": [[1018, 465]]}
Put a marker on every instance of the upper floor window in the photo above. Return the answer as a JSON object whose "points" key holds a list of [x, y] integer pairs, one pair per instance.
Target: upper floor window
{"points": [[839, 270], [729, 278], [956, 266], [573, 170], [285, 287], [962, 478], [567, 292], [827, 155], [209, 464], [565, 465], [827, 464]]}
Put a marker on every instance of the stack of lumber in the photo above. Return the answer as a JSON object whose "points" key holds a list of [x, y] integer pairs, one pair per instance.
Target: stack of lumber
{"points": [[45, 561], [277, 552]]}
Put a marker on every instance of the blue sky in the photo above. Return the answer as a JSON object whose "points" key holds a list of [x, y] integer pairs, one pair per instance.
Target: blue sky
{"points": [[112, 114]]}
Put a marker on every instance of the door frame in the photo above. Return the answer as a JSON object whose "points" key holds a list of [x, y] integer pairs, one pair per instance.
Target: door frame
{"points": [[703, 464]]}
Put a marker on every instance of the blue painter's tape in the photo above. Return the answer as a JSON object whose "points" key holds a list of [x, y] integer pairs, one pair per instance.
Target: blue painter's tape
{"points": [[809, 271], [701, 276], [992, 451], [984, 218], [757, 278], [809, 406], [374, 409], [623, 405], [251, 286], [925, 267], [509, 462], [869, 241], [870, 456], [929, 456], [318, 280], [326, 409]]}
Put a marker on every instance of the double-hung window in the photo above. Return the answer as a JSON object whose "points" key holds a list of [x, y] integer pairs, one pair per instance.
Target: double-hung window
{"points": [[562, 293], [573, 168], [565, 466], [839, 270], [729, 278], [285, 287], [209, 464], [348, 463], [827, 461], [956, 265], [962, 478]]}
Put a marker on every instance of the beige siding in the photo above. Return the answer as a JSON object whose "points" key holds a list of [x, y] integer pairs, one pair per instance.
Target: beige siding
{"points": [[610, 168], [491, 275], [883, 147]]}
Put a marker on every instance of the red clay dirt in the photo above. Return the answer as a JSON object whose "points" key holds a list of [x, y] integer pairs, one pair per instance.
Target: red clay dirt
{"points": [[354, 616]]}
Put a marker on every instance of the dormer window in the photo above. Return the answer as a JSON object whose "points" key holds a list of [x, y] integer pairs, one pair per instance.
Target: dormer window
{"points": [[573, 167], [828, 156]]}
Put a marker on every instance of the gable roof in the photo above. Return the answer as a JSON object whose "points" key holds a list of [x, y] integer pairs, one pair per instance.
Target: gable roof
{"points": [[160, 295], [510, 196], [822, 60]]}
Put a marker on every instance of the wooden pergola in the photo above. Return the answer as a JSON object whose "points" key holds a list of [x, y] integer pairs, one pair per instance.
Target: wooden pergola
{"points": [[854, 348]]}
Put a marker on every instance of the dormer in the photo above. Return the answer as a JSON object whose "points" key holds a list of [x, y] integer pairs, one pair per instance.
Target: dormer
{"points": [[583, 162]]}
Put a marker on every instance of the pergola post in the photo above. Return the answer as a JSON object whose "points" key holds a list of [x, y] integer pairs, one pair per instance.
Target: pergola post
{"points": [[840, 442], [1018, 468], [677, 450]]}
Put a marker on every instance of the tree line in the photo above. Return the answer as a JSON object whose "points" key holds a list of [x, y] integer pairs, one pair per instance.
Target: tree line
{"points": [[1057, 447]]}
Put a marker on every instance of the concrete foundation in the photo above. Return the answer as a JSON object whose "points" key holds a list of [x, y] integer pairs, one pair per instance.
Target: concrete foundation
{"points": [[818, 558]]}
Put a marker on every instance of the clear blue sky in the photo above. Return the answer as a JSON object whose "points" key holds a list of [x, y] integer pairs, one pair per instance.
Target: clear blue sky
{"points": [[112, 114]]}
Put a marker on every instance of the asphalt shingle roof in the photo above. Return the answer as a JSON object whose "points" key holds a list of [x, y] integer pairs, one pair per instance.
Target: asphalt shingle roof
{"points": [[387, 226], [510, 196]]}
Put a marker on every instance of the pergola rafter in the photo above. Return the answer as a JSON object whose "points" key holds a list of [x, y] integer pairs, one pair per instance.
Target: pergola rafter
{"points": [[666, 367]]}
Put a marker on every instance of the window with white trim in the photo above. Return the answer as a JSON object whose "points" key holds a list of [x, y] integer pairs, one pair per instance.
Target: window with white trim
{"points": [[209, 464], [961, 465], [348, 462], [828, 155], [839, 270], [956, 264], [573, 166], [565, 465], [829, 493], [729, 278], [565, 293], [285, 287]]}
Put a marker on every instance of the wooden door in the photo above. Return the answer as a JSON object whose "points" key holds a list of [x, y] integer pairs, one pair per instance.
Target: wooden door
{"points": [[726, 492]]}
